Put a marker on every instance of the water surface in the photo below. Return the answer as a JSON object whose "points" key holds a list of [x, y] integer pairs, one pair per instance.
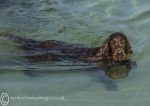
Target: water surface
{"points": [[87, 22]]}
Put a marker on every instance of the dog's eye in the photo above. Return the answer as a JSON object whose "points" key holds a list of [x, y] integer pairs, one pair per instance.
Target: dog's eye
{"points": [[112, 43]]}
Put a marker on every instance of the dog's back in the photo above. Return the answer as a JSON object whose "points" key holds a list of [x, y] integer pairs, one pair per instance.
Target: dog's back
{"points": [[51, 49]]}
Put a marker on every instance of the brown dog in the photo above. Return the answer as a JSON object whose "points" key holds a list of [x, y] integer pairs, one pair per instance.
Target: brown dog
{"points": [[115, 48]]}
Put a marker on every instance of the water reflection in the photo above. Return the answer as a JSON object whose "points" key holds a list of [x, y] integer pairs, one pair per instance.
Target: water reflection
{"points": [[118, 70]]}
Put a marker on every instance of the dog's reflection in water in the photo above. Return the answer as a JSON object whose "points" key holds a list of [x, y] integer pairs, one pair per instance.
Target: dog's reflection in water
{"points": [[118, 70], [113, 71]]}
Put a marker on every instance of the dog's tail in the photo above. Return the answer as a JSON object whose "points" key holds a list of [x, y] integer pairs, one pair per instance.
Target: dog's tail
{"points": [[13, 38], [24, 43], [17, 39]]}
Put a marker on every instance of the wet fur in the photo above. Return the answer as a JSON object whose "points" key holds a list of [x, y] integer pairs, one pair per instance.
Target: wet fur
{"points": [[58, 50]]}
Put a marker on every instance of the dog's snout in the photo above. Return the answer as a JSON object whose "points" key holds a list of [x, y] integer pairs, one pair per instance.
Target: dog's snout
{"points": [[119, 55]]}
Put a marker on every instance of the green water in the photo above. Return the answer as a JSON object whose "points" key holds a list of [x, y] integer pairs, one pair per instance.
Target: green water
{"points": [[87, 22]]}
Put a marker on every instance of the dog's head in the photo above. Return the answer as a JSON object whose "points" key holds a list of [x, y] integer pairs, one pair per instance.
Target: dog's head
{"points": [[116, 47], [119, 46]]}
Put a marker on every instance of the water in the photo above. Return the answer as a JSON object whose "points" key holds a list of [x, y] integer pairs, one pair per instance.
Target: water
{"points": [[87, 22]]}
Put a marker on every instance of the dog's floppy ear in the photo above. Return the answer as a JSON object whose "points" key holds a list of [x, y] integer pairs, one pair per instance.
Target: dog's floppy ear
{"points": [[102, 53], [128, 48], [104, 50]]}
